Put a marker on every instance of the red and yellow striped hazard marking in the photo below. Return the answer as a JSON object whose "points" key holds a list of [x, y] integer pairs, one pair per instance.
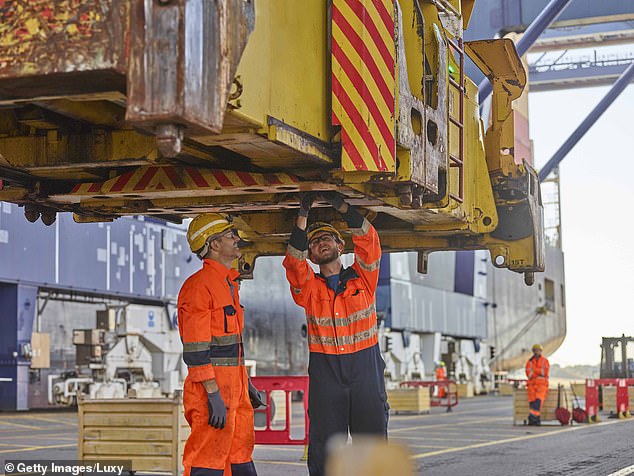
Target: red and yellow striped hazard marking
{"points": [[363, 83], [161, 179]]}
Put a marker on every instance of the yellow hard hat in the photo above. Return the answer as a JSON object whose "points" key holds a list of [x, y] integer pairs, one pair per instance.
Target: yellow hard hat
{"points": [[442, 364], [205, 226], [320, 226], [537, 347]]}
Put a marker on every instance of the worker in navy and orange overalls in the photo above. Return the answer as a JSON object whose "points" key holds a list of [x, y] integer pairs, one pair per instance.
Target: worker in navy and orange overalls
{"points": [[537, 371], [346, 383], [218, 395]]}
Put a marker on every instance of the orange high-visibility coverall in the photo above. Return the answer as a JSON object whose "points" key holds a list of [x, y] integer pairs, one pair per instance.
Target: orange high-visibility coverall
{"points": [[440, 375], [347, 387], [210, 322], [537, 372]]}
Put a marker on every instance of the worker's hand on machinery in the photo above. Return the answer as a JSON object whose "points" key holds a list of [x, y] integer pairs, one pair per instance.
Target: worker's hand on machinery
{"points": [[336, 201], [306, 203], [217, 410], [255, 396]]}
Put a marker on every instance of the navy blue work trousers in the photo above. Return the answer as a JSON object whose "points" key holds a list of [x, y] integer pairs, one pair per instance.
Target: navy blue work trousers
{"points": [[346, 395]]}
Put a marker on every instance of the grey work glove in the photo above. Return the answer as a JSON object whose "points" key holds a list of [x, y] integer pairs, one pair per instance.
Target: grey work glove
{"points": [[306, 203], [217, 410], [335, 200], [255, 396]]}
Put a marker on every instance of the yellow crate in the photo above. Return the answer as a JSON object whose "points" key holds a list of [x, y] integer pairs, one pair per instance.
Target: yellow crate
{"points": [[150, 433], [520, 405], [409, 400], [579, 389], [609, 399], [465, 390], [505, 389]]}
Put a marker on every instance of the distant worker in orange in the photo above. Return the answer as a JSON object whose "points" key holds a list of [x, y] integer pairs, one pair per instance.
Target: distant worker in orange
{"points": [[441, 374], [537, 371], [218, 395]]}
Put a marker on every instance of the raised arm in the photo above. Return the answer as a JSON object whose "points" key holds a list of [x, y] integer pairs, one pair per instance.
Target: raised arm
{"points": [[367, 247], [298, 272]]}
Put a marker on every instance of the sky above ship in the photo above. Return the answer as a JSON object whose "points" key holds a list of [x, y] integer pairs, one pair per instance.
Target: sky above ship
{"points": [[597, 198]]}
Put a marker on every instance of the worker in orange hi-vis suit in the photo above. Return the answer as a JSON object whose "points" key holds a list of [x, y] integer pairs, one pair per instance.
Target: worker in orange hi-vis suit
{"points": [[218, 395], [346, 385], [441, 375], [537, 371]]}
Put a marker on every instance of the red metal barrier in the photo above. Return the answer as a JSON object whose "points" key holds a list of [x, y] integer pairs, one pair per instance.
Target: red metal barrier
{"points": [[622, 397], [592, 400], [449, 400], [287, 384]]}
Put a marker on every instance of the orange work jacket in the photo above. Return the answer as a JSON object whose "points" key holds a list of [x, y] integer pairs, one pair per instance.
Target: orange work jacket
{"points": [[339, 322], [210, 321], [537, 371]]}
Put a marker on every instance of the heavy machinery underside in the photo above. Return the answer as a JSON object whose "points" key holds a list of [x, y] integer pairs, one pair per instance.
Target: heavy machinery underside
{"points": [[173, 108]]}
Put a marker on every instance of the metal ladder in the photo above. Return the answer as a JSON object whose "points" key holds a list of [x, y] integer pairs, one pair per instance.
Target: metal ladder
{"points": [[458, 161]]}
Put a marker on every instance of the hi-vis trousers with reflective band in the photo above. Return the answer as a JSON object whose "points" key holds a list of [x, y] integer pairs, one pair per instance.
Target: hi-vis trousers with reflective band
{"points": [[537, 389], [210, 451], [346, 393]]}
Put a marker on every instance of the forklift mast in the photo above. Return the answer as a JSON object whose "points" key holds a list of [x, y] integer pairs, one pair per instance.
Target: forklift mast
{"points": [[610, 367]]}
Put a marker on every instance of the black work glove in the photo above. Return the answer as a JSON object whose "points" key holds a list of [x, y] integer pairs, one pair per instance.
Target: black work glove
{"points": [[306, 203], [217, 410], [255, 396], [335, 200]]}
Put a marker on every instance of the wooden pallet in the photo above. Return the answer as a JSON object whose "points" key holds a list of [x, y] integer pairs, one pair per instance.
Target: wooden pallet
{"points": [[520, 405], [505, 389], [409, 400], [465, 390], [580, 389], [609, 399], [150, 433]]}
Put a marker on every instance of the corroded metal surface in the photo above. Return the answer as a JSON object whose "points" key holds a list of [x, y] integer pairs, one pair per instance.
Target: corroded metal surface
{"points": [[68, 69], [40, 38], [183, 58], [428, 152]]}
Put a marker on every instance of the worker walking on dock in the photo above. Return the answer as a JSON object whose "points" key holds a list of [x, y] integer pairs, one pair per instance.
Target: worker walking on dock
{"points": [[537, 371], [347, 387], [218, 395]]}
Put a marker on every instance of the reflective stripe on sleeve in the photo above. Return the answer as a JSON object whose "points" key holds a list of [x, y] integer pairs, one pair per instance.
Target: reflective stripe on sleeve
{"points": [[297, 254], [195, 346], [368, 267], [222, 350], [226, 351]]}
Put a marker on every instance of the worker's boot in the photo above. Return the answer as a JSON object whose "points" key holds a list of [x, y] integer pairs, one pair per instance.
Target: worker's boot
{"points": [[243, 469]]}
